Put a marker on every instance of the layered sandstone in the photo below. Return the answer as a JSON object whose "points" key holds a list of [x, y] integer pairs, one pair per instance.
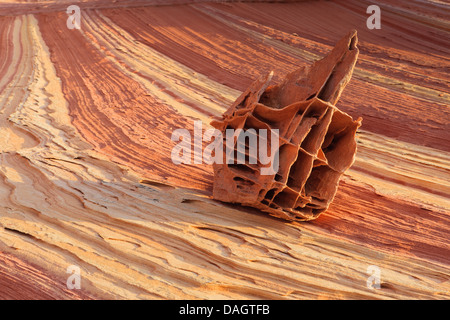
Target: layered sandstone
{"points": [[86, 177], [316, 141]]}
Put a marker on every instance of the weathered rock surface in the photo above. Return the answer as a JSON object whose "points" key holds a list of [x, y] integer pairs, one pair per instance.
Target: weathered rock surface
{"points": [[86, 177], [316, 141]]}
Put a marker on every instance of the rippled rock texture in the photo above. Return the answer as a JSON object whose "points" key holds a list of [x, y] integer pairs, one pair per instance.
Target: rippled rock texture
{"points": [[87, 180]]}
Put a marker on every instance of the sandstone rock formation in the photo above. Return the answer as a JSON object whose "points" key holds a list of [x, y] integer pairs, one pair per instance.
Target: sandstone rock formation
{"points": [[85, 123], [316, 140]]}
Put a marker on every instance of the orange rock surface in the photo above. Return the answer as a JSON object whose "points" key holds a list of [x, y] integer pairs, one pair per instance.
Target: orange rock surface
{"points": [[87, 179], [315, 142]]}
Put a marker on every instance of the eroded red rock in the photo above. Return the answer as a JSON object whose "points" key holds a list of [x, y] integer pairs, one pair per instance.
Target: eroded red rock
{"points": [[316, 140]]}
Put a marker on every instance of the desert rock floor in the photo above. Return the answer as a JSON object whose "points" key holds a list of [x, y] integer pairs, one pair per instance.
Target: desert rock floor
{"points": [[86, 177]]}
